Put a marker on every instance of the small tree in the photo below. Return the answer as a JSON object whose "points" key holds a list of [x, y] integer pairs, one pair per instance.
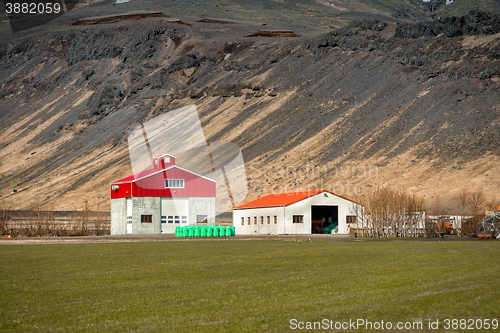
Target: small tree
{"points": [[463, 200], [4, 218], [476, 202], [393, 213]]}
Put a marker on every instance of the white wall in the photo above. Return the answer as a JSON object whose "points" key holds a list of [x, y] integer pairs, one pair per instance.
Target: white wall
{"points": [[284, 215], [259, 228], [118, 216]]}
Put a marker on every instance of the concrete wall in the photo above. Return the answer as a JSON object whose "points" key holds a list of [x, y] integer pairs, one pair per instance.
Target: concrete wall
{"points": [[202, 206], [145, 206], [152, 206], [118, 216]]}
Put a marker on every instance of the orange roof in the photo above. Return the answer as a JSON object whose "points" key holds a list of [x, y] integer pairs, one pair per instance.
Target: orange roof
{"points": [[284, 199]]}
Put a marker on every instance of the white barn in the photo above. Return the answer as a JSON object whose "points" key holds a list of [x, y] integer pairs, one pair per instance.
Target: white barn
{"points": [[296, 213]]}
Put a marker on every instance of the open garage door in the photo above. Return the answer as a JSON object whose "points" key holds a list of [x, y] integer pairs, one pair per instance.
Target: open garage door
{"points": [[323, 217], [174, 213]]}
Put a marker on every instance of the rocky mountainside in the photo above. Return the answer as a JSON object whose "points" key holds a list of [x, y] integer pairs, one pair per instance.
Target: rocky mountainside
{"points": [[371, 101]]}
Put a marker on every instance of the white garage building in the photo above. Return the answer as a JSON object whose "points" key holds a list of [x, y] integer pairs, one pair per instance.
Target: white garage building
{"points": [[296, 213]]}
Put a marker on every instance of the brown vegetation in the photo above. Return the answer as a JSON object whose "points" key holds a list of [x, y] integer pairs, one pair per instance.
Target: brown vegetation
{"points": [[41, 222], [392, 213]]}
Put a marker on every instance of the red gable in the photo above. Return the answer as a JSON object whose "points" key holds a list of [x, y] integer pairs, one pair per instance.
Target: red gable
{"points": [[172, 181]]}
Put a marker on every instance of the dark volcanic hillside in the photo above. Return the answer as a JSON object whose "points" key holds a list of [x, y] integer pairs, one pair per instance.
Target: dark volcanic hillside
{"points": [[415, 106]]}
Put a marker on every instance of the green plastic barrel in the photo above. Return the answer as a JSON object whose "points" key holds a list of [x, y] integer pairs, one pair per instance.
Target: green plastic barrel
{"points": [[233, 231], [197, 231], [215, 231], [203, 231], [210, 231]]}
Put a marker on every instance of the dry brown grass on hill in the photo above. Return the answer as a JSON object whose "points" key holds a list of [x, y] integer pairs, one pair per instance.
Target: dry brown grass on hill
{"points": [[422, 112]]}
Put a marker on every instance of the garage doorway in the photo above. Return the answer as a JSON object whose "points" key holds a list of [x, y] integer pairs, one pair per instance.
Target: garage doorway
{"points": [[173, 213], [324, 218]]}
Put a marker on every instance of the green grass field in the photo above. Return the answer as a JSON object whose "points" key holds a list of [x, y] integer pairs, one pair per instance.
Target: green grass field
{"points": [[244, 285]]}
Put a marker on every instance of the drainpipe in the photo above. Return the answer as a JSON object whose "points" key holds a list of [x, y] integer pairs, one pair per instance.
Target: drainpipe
{"points": [[284, 221]]}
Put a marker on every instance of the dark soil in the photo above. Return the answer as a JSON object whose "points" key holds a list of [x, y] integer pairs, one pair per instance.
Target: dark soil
{"points": [[117, 18]]}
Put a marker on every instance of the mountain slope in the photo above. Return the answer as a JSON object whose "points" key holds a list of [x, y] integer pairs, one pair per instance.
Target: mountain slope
{"points": [[346, 110]]}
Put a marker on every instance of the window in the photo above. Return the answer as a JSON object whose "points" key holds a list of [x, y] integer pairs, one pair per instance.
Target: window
{"points": [[201, 219], [262, 220], [351, 219], [255, 220], [176, 219], [269, 220], [242, 221], [298, 219], [174, 183], [249, 220], [182, 219], [146, 218], [163, 219], [275, 219]]}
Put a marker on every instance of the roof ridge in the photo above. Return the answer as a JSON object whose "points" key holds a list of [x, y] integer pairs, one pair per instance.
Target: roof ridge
{"points": [[279, 199]]}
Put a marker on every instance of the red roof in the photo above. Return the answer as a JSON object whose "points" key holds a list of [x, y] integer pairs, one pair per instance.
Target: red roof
{"points": [[136, 176], [284, 199], [151, 183]]}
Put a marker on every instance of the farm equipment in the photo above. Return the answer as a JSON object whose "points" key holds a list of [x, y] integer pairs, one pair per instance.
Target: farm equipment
{"points": [[489, 227], [444, 227]]}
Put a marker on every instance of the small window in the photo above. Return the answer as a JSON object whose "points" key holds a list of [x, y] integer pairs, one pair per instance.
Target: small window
{"points": [[275, 219], [201, 219], [269, 220], [163, 219], [180, 219], [242, 221], [146, 218], [298, 219], [351, 218], [248, 220], [262, 220], [174, 183], [255, 220]]}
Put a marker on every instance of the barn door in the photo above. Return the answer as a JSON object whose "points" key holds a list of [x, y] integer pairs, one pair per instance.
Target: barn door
{"points": [[174, 213]]}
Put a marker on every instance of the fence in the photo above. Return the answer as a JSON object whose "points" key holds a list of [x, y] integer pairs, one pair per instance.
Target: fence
{"points": [[38, 223]]}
